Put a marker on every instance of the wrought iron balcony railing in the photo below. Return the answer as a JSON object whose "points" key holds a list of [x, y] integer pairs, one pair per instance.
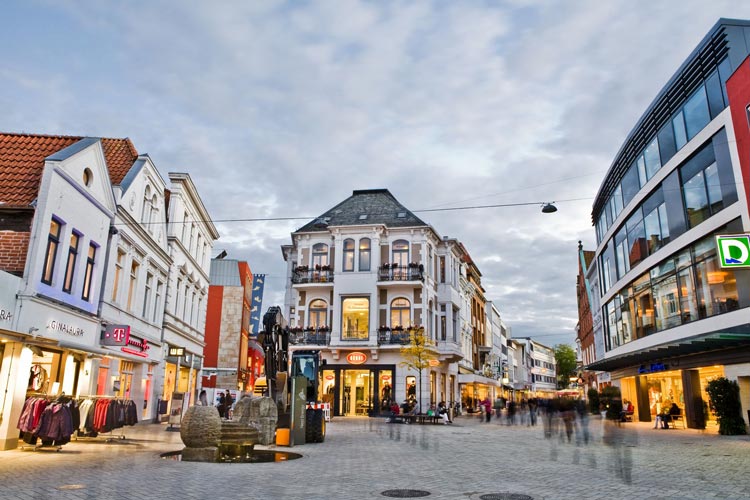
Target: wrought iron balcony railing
{"points": [[310, 336], [304, 275], [402, 273]]}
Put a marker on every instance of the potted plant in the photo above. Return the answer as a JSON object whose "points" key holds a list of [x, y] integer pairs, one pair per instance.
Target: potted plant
{"points": [[724, 400]]}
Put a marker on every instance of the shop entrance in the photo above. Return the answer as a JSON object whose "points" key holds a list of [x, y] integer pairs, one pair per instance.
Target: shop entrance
{"points": [[357, 393]]}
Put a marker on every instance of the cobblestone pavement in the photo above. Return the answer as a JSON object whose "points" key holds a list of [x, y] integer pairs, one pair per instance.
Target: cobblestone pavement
{"points": [[363, 457]]}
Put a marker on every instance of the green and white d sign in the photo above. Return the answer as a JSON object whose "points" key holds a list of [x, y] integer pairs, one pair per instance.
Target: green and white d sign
{"points": [[734, 250]]}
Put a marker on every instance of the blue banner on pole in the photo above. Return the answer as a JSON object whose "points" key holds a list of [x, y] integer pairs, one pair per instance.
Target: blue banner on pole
{"points": [[257, 302]]}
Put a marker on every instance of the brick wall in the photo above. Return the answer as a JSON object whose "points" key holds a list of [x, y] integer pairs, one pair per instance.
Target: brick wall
{"points": [[13, 248]]}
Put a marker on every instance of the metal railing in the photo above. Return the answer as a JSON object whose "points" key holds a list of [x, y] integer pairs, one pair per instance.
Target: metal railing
{"points": [[311, 336], [312, 276], [388, 273]]}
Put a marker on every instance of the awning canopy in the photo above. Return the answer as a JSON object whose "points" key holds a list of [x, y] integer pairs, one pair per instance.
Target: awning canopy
{"points": [[473, 378], [708, 342]]}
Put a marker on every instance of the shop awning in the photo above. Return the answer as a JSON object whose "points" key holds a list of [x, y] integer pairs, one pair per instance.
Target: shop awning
{"points": [[708, 342]]}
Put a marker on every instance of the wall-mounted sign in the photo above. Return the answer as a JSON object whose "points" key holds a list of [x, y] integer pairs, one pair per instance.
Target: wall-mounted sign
{"points": [[433, 362], [734, 250], [330, 377], [71, 330], [176, 351], [116, 335], [356, 358], [385, 378], [653, 367], [139, 347]]}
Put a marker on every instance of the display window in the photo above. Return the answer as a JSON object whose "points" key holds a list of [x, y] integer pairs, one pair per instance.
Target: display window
{"points": [[44, 373], [707, 374], [664, 389]]}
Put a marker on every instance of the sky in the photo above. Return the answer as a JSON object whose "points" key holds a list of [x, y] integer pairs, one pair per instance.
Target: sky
{"points": [[282, 109]]}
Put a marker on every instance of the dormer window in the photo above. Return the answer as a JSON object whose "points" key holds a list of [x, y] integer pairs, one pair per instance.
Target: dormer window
{"points": [[363, 217], [401, 215]]}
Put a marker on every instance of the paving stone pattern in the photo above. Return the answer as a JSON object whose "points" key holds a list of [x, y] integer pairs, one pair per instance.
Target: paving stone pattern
{"points": [[363, 457]]}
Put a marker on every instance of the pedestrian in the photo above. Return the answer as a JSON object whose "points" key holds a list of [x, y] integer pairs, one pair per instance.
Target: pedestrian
{"points": [[498, 406], [487, 408], [203, 398], [228, 401], [222, 407]]}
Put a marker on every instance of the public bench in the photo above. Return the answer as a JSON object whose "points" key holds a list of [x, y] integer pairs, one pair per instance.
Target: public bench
{"points": [[419, 418]]}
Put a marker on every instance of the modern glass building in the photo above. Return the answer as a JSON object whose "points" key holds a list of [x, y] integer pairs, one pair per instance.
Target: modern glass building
{"points": [[672, 317]]}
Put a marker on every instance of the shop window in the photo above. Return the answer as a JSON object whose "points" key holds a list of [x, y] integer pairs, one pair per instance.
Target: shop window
{"points": [[411, 388], [102, 378], [50, 256], [355, 318]]}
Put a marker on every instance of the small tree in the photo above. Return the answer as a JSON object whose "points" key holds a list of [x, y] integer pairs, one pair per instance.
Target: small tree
{"points": [[565, 360], [417, 355], [612, 400], [724, 399]]}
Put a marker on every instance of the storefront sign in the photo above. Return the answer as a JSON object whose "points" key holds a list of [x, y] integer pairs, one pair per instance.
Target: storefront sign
{"points": [[139, 347], [433, 362], [5, 315], [330, 377], [385, 378], [734, 250], [356, 358], [71, 330], [116, 335], [176, 351], [653, 367]]}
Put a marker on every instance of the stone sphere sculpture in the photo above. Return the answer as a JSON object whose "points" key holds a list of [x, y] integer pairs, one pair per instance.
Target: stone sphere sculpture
{"points": [[201, 427]]}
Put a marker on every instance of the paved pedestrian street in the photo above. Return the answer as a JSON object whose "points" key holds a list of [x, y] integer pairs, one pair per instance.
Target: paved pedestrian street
{"points": [[361, 458]]}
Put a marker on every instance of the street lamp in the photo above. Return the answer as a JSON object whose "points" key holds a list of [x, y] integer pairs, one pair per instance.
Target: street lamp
{"points": [[549, 208]]}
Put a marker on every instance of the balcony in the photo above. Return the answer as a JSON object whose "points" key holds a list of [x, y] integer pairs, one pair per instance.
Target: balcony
{"points": [[394, 272], [310, 336], [303, 274], [395, 336]]}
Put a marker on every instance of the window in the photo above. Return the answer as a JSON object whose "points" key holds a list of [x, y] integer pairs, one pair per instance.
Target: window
{"points": [[157, 301], [348, 263], [184, 227], [703, 195], [655, 222], [88, 177], [118, 273], [400, 258], [88, 275], [651, 156], [696, 113], [630, 184], [146, 209], [132, 287], [318, 315], [355, 317], [70, 266], [147, 295], [621, 252], [319, 255], [636, 237], [678, 124], [53, 241], [442, 269], [364, 254], [400, 313], [192, 237]]}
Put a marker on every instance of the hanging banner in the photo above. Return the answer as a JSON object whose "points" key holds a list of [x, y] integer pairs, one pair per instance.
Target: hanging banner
{"points": [[257, 302]]}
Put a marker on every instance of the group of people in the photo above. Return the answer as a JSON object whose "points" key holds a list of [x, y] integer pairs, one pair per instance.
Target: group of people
{"points": [[225, 402], [412, 408]]}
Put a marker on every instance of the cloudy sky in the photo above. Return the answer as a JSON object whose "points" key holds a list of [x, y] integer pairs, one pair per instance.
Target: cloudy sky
{"points": [[281, 109]]}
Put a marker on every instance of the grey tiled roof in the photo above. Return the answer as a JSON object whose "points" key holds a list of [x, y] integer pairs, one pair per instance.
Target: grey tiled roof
{"points": [[378, 205]]}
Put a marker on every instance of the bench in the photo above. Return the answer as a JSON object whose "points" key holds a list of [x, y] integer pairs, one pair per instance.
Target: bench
{"points": [[419, 418], [674, 419]]}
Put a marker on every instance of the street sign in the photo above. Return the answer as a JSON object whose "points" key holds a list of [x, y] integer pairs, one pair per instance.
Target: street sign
{"points": [[734, 250]]}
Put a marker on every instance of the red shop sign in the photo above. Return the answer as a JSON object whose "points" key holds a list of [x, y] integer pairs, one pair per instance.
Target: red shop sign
{"points": [[385, 378], [330, 377], [356, 358]]}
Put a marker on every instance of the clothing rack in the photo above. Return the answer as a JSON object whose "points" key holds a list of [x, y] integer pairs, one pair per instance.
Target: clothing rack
{"points": [[98, 423], [52, 430]]}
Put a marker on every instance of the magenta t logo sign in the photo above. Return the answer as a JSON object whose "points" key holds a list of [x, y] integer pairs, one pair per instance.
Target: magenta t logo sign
{"points": [[119, 335]]}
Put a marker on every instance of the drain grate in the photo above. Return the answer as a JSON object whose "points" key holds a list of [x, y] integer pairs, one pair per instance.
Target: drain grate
{"points": [[405, 493], [505, 496]]}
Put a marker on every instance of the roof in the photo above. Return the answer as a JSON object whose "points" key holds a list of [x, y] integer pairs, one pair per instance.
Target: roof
{"points": [[225, 273], [22, 159], [365, 208]]}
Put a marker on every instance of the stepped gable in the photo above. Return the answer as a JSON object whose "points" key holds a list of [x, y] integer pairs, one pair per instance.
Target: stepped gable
{"points": [[378, 205], [22, 161]]}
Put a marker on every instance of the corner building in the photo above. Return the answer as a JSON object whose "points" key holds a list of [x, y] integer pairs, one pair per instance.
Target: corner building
{"points": [[358, 278], [672, 317]]}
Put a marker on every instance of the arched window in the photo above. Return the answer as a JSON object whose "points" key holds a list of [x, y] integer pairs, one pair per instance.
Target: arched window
{"points": [[318, 315], [364, 254], [348, 264], [319, 255], [400, 313]]}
